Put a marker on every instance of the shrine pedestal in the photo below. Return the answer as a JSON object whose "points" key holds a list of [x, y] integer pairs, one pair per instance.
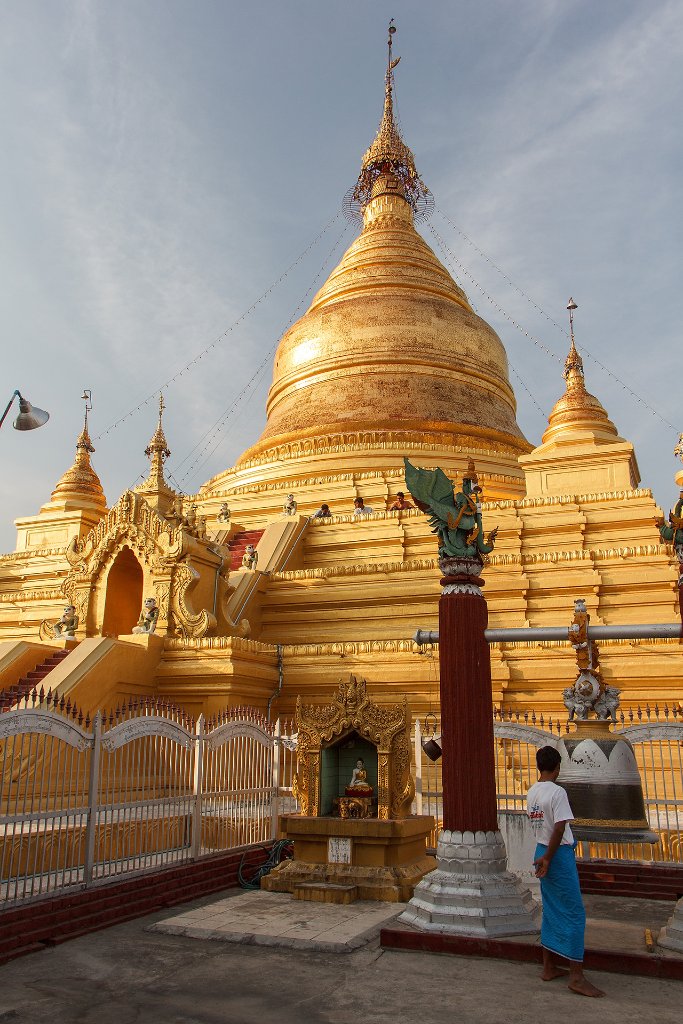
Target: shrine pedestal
{"points": [[383, 859]]}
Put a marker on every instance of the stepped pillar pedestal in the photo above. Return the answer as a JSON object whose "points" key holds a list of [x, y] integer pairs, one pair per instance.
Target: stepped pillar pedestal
{"points": [[471, 892]]}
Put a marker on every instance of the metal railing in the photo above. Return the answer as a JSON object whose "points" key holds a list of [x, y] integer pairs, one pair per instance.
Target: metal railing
{"points": [[137, 789], [655, 733]]}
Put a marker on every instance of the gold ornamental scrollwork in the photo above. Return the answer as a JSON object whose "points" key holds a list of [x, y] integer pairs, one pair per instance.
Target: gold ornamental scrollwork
{"points": [[386, 726]]}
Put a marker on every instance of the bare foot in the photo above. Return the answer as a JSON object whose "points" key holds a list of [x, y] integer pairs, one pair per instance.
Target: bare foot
{"points": [[550, 973], [583, 987]]}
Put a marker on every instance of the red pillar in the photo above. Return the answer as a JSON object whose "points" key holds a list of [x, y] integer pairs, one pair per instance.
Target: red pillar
{"points": [[468, 767]]}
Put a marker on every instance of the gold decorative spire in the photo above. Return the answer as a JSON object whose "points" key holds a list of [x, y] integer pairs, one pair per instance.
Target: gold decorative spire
{"points": [[155, 489], [577, 407], [80, 485], [388, 157]]}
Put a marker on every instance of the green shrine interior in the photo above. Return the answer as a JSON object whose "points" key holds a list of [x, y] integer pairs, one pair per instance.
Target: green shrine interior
{"points": [[336, 768]]}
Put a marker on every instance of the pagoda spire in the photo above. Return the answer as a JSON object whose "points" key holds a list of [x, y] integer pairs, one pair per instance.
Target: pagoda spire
{"points": [[388, 161], [155, 489], [80, 485], [577, 409]]}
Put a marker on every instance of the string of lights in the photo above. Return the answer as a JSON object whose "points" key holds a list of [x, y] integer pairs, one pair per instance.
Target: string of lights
{"points": [[584, 351], [153, 395], [220, 430]]}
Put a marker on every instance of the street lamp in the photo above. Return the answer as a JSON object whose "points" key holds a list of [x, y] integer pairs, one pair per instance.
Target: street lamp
{"points": [[29, 417]]}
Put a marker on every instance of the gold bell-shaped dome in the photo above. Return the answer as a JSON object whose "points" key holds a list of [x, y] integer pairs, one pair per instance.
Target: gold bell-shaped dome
{"points": [[390, 344]]}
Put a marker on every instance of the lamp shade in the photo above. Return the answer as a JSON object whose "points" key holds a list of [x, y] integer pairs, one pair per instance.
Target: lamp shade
{"points": [[30, 416]]}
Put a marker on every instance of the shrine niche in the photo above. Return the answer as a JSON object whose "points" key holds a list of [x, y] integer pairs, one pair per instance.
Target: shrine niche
{"points": [[333, 738], [133, 554]]}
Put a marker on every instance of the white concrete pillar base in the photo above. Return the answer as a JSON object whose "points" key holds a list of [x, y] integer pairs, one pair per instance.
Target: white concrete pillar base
{"points": [[671, 936], [472, 892]]}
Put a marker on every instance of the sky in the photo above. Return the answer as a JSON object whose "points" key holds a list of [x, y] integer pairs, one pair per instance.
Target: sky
{"points": [[170, 164]]}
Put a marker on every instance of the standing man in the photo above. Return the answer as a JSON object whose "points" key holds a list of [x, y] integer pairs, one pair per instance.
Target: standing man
{"points": [[564, 916]]}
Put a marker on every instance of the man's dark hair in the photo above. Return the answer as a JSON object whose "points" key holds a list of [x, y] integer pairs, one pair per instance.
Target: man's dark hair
{"points": [[400, 494], [547, 759]]}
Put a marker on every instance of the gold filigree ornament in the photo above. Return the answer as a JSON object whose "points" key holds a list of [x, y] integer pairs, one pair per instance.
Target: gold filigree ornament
{"points": [[387, 726]]}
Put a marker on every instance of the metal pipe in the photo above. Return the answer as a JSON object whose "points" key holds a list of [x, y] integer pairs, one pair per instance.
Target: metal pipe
{"points": [[524, 634], [280, 679]]}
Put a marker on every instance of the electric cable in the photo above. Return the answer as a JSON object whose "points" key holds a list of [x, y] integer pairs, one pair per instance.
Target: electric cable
{"points": [[162, 387]]}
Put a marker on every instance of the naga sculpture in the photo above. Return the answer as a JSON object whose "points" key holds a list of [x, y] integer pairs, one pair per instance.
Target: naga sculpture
{"points": [[454, 517]]}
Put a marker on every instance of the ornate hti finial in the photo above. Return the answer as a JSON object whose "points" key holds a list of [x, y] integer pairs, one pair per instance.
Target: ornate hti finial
{"points": [[678, 450], [157, 451], [388, 165], [573, 364]]}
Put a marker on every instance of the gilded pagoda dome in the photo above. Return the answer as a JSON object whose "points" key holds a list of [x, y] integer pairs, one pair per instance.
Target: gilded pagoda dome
{"points": [[577, 409], [80, 487], [390, 343]]}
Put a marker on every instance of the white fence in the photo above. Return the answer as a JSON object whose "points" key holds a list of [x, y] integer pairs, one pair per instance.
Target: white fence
{"points": [[657, 739], [138, 789]]}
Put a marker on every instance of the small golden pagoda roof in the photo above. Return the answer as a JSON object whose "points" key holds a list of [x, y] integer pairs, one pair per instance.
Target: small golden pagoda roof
{"points": [[577, 408], [80, 485]]}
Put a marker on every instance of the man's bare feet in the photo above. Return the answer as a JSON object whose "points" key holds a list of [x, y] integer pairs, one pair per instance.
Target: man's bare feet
{"points": [[552, 972], [583, 987]]}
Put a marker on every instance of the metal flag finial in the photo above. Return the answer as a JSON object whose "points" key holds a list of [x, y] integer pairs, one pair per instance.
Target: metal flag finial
{"points": [[571, 306]]}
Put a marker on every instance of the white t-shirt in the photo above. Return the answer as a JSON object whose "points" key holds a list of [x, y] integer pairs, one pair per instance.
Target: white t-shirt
{"points": [[364, 511], [546, 804]]}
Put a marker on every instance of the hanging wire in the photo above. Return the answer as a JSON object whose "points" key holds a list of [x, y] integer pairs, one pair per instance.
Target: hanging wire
{"points": [[217, 434], [548, 317], [446, 248], [162, 387], [446, 252]]}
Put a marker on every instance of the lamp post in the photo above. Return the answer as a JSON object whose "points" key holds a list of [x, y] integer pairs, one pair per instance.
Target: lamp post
{"points": [[29, 416]]}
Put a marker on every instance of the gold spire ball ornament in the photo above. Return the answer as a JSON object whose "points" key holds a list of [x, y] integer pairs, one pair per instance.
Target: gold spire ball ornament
{"points": [[388, 164]]}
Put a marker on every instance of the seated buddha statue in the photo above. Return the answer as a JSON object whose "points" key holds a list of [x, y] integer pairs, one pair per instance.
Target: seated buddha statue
{"points": [[359, 781]]}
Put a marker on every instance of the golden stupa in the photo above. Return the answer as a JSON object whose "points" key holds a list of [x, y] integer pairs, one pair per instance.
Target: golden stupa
{"points": [[389, 361]]}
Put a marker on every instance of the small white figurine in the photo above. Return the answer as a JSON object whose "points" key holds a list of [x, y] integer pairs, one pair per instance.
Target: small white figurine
{"points": [[290, 506], [147, 623], [67, 625], [250, 557]]}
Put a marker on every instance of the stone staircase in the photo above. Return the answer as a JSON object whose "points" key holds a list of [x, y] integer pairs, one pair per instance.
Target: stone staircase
{"points": [[31, 681], [56, 919], [237, 545]]}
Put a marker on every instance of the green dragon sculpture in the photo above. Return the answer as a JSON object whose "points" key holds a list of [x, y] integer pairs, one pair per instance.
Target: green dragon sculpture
{"points": [[454, 518]]}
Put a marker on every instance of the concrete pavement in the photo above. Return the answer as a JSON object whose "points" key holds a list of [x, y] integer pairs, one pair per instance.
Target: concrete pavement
{"points": [[128, 975]]}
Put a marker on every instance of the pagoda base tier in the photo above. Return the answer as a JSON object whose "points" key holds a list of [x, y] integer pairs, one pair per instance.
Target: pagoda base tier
{"points": [[383, 859], [472, 892]]}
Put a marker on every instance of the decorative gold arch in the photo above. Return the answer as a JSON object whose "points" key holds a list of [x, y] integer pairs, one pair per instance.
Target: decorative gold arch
{"points": [[165, 552], [387, 726]]}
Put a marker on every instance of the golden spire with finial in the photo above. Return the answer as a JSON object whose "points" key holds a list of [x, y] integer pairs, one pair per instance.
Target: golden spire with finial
{"points": [[81, 483], [573, 364], [157, 451], [577, 408], [388, 156]]}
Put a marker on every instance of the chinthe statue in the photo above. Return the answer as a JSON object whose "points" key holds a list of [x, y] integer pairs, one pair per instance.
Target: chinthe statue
{"points": [[250, 557], [147, 623], [290, 506], [359, 785], [66, 626], [454, 517]]}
